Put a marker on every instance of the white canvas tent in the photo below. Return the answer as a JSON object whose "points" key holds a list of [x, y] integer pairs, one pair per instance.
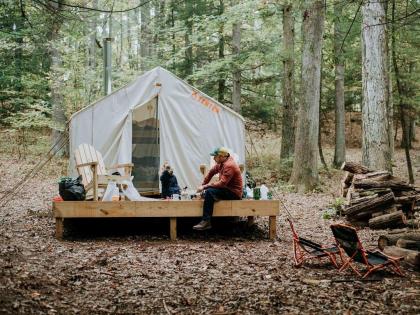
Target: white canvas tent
{"points": [[156, 118]]}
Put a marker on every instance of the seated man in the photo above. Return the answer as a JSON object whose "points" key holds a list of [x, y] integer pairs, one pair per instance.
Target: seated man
{"points": [[228, 187]]}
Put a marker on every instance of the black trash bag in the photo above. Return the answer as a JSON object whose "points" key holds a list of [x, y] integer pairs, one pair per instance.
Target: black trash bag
{"points": [[71, 189]]}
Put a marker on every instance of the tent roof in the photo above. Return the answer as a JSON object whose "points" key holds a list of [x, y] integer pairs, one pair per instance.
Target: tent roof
{"points": [[158, 70]]}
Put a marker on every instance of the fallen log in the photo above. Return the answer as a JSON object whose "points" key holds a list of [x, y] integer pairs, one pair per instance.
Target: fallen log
{"points": [[409, 244], [394, 184], [411, 257], [354, 168], [394, 219], [377, 176], [391, 239], [355, 201], [374, 203]]}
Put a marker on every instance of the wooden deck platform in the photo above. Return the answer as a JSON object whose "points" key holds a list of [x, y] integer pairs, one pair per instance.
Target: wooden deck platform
{"points": [[164, 208]]}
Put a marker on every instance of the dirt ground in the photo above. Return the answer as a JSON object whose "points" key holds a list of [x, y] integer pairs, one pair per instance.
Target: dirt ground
{"points": [[131, 267]]}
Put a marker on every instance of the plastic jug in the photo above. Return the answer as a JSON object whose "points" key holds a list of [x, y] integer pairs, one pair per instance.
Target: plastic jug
{"points": [[264, 192]]}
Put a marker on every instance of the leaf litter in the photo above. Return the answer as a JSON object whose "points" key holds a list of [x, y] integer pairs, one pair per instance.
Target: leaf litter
{"points": [[131, 266]]}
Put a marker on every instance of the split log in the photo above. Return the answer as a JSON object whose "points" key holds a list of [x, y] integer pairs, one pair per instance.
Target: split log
{"points": [[411, 257], [409, 244], [344, 189], [348, 177], [374, 203], [390, 220], [349, 194], [392, 238]]}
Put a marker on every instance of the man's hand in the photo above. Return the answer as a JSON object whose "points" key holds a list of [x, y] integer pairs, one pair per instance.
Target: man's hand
{"points": [[200, 188]]}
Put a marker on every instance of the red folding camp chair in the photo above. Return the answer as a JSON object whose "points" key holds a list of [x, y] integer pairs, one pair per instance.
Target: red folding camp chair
{"points": [[306, 249], [349, 243]]}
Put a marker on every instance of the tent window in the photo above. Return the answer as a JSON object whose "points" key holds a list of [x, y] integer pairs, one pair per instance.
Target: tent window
{"points": [[146, 147]]}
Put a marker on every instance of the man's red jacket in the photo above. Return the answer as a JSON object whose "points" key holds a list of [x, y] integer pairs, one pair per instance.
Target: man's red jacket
{"points": [[229, 177]]}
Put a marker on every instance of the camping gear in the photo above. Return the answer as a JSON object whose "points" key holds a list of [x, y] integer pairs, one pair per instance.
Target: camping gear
{"points": [[349, 244], [264, 192], [94, 174], [155, 118], [71, 189], [305, 249]]}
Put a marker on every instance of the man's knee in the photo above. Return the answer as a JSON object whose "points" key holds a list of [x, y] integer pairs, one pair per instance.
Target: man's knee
{"points": [[210, 193]]}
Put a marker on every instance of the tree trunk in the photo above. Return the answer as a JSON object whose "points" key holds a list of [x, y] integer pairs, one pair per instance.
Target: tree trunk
{"points": [[58, 110], [236, 50], [375, 145], [222, 81], [288, 118], [188, 62], [405, 126], [305, 166], [340, 137], [144, 36]]}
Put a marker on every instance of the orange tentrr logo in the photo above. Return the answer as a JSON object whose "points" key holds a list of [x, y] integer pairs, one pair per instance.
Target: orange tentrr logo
{"points": [[211, 105]]}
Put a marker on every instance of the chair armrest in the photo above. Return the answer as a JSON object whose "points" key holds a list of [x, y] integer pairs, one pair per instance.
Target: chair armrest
{"points": [[128, 167], [87, 164]]}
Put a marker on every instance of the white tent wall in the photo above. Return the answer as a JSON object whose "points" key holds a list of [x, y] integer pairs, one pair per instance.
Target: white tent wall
{"points": [[106, 124], [191, 125]]}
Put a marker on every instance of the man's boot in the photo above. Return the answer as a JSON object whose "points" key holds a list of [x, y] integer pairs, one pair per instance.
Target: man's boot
{"points": [[203, 225]]}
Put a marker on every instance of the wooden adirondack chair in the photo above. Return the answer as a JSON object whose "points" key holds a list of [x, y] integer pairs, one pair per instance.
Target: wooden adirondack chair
{"points": [[90, 164]]}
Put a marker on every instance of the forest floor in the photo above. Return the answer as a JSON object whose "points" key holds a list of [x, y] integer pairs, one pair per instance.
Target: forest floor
{"points": [[131, 267]]}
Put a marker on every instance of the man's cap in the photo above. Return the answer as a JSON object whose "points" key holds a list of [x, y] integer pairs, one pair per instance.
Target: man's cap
{"points": [[220, 151]]}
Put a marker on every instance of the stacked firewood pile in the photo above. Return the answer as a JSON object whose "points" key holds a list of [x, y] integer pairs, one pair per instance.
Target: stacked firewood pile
{"points": [[382, 201], [377, 199]]}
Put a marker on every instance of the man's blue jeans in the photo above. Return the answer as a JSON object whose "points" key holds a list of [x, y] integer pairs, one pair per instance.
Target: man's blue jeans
{"points": [[211, 195]]}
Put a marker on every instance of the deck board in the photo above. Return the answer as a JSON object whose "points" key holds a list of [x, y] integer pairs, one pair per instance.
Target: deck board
{"points": [[153, 209], [164, 208]]}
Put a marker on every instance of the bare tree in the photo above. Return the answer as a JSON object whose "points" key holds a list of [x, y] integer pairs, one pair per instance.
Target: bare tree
{"points": [[305, 166]]}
